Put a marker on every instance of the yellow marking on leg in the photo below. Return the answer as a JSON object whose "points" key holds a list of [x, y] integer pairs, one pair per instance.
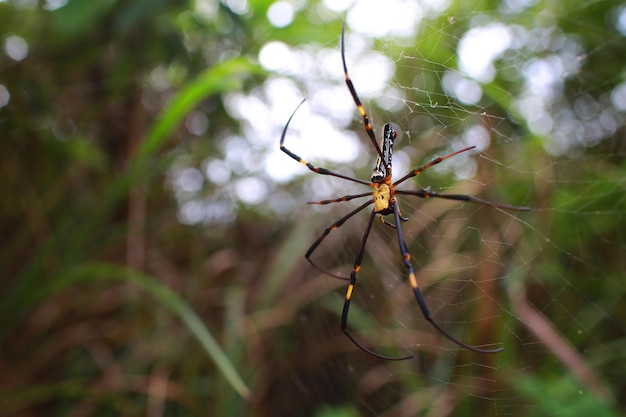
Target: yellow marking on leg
{"points": [[349, 292], [412, 280]]}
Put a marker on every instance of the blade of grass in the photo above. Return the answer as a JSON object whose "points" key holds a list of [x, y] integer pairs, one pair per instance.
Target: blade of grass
{"points": [[169, 299], [226, 76]]}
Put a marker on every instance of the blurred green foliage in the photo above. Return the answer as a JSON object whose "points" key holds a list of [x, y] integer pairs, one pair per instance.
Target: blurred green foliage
{"points": [[111, 305]]}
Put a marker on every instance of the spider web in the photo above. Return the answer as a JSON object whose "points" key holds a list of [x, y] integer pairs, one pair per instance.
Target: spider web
{"points": [[538, 91], [545, 285]]}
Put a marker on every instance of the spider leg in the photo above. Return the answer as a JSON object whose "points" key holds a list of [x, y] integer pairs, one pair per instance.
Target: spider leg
{"points": [[310, 166], [326, 232], [406, 256], [388, 223], [341, 199], [461, 197], [346, 305], [355, 97], [435, 161]]}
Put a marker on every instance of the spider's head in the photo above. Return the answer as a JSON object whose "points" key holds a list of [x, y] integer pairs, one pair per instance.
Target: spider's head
{"points": [[382, 169]]}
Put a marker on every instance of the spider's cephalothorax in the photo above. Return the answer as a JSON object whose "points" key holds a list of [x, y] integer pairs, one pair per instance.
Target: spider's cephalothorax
{"points": [[383, 197], [382, 169]]}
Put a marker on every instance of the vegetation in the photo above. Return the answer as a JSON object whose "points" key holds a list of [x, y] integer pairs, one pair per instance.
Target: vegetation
{"points": [[152, 265]]}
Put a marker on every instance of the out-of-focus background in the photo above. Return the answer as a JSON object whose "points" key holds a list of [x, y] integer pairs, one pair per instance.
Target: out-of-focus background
{"points": [[153, 233]]}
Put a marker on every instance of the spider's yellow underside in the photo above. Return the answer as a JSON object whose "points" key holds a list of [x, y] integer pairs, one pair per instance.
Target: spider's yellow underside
{"points": [[382, 197]]}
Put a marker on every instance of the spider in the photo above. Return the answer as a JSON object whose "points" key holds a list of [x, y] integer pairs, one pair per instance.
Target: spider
{"points": [[383, 196]]}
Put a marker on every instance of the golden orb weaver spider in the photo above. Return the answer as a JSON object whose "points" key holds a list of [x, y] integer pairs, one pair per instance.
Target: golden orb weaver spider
{"points": [[383, 197]]}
